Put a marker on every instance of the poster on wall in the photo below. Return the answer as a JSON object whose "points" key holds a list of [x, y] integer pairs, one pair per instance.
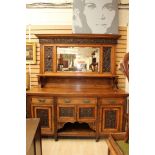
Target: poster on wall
{"points": [[95, 16]]}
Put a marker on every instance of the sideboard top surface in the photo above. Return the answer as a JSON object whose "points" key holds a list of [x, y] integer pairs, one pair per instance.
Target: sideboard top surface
{"points": [[98, 92]]}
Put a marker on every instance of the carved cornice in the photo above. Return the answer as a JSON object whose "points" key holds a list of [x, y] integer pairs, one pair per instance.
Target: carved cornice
{"points": [[78, 38], [78, 41]]}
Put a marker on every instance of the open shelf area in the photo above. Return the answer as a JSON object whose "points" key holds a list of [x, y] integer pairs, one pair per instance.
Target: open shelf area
{"points": [[76, 129]]}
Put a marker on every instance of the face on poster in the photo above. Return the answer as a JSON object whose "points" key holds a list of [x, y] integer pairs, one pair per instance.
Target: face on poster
{"points": [[95, 16]]}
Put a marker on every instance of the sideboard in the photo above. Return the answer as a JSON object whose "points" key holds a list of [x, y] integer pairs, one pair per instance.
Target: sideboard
{"points": [[78, 94]]}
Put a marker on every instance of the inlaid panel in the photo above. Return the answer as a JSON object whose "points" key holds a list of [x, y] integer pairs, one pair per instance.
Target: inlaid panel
{"points": [[48, 59], [66, 112], [110, 119], [43, 115], [86, 112], [107, 59]]}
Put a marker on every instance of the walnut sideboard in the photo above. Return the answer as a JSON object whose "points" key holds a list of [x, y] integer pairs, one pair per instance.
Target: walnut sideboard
{"points": [[78, 93]]}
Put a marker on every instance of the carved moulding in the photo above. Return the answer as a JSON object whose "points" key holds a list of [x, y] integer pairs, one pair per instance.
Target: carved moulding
{"points": [[78, 41]]}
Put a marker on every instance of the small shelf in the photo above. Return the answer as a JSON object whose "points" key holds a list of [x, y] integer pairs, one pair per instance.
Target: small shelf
{"points": [[105, 36], [82, 79], [74, 129], [76, 74]]}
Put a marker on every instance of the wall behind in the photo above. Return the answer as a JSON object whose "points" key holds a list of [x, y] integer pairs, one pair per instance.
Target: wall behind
{"points": [[51, 16]]}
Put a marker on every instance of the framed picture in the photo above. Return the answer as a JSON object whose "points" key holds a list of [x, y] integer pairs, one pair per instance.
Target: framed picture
{"points": [[30, 53]]}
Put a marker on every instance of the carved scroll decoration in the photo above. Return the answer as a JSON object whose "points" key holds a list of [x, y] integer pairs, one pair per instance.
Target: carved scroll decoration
{"points": [[92, 125], [60, 125]]}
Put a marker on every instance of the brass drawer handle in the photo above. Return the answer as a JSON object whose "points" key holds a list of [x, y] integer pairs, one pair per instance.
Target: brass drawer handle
{"points": [[41, 100], [66, 100], [86, 101]]}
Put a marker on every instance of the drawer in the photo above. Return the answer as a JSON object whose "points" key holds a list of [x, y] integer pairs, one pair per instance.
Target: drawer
{"points": [[71, 100], [42, 100], [113, 101]]}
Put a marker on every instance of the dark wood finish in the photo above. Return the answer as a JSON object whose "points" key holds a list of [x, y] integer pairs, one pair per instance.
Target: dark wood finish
{"points": [[91, 99], [33, 137]]}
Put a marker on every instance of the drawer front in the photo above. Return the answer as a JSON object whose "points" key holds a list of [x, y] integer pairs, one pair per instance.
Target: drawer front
{"points": [[70, 100], [113, 101], [42, 100]]}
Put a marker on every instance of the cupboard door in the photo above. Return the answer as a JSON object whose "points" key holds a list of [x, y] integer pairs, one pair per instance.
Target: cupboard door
{"points": [[45, 113], [111, 118], [86, 113], [66, 113]]}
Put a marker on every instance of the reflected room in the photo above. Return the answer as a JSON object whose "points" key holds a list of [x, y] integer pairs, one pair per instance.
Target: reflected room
{"points": [[78, 59]]}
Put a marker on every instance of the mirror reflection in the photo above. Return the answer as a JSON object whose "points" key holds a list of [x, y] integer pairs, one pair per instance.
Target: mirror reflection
{"points": [[78, 59]]}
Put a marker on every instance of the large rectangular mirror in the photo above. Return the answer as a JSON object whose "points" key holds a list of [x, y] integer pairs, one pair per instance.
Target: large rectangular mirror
{"points": [[78, 59]]}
